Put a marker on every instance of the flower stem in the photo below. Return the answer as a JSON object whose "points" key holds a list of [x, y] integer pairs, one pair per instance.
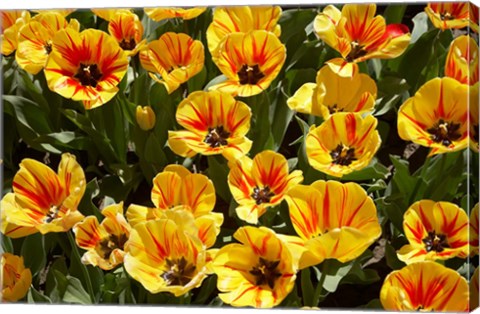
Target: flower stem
{"points": [[86, 275], [319, 288]]}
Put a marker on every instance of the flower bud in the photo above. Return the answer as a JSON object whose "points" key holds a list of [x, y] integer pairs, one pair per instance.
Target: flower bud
{"points": [[15, 279], [145, 117]]}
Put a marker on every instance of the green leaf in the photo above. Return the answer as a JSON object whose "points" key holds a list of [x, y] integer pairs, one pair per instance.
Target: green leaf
{"points": [[137, 90], [73, 291], [334, 273], [7, 245], [307, 286], [392, 259], [218, 172], [206, 290], [402, 178], [33, 253], [197, 82], [394, 13], [374, 304], [34, 296], [375, 170], [217, 80], [154, 152], [86, 205]]}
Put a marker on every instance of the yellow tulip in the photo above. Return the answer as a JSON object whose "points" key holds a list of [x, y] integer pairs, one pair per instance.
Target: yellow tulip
{"points": [[462, 60], [260, 183], [215, 123], [344, 143], [43, 199], [145, 117], [103, 242], [85, 66], [445, 15], [357, 34], [434, 230], [250, 61], [241, 19], [334, 220], [164, 258], [15, 279], [473, 230], [425, 287], [257, 272], [159, 14], [35, 40], [436, 116], [127, 29], [11, 21]]}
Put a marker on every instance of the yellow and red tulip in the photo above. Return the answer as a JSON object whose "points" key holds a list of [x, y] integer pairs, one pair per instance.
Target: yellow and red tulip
{"points": [[15, 279], [127, 29], [242, 19], [462, 60], [344, 143], [447, 15], [328, 95], [335, 220], [104, 242], [62, 12], [12, 21], [435, 231], [158, 14], [215, 123], [436, 116], [474, 289], [358, 35], [164, 258], [250, 61], [473, 230], [173, 59], [425, 287], [260, 183], [258, 272], [108, 14], [473, 116], [85, 66], [11, 230], [35, 39], [44, 199]]}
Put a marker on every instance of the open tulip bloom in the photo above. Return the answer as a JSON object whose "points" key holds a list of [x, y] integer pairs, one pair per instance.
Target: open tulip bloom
{"points": [[359, 35]]}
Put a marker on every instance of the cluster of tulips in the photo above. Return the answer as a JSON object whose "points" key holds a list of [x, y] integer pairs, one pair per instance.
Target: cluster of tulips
{"points": [[172, 243]]}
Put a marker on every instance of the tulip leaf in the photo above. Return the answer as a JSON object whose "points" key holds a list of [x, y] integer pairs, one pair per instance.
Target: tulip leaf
{"points": [[206, 290], [33, 252], [218, 172], [307, 287], [86, 206], [392, 259], [420, 26], [70, 289], [394, 13], [373, 304], [34, 296], [375, 170], [402, 179], [334, 273]]}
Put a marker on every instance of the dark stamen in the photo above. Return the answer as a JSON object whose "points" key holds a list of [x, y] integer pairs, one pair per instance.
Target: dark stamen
{"points": [[342, 155], [250, 74], [334, 109], [217, 137], [128, 44], [48, 48], [357, 51], [435, 242], [266, 272], [88, 74], [262, 195], [446, 16], [106, 246], [445, 132], [179, 272]]}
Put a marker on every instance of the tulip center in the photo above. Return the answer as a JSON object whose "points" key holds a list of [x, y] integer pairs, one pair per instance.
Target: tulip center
{"points": [[445, 132], [106, 246], [334, 109], [52, 213], [88, 74], [343, 155], [217, 137], [266, 272], [179, 272], [446, 16], [262, 195], [128, 44], [48, 47], [250, 74], [435, 242], [356, 51]]}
